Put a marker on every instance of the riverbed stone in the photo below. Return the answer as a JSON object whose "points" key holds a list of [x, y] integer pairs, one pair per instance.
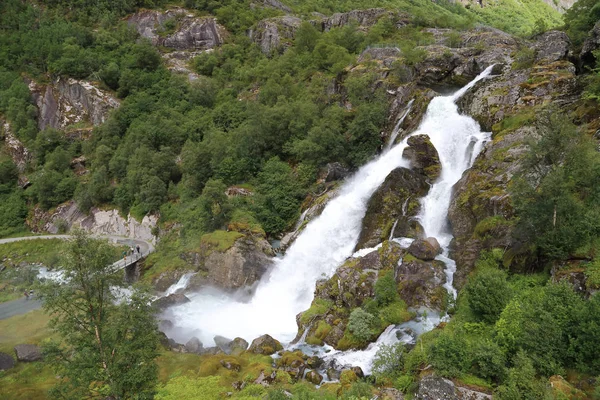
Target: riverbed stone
{"points": [[423, 156], [170, 300]]}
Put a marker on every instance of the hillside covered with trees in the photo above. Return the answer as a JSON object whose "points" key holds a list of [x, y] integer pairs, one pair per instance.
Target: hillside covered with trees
{"points": [[221, 130]]}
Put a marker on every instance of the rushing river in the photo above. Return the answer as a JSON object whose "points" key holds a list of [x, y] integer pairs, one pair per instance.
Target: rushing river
{"points": [[329, 239]]}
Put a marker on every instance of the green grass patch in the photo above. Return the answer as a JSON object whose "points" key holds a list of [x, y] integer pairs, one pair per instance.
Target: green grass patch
{"points": [[317, 308], [220, 240], [27, 381], [30, 328]]}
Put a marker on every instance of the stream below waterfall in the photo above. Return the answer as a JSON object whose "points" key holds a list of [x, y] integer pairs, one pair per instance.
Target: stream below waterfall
{"points": [[330, 239]]}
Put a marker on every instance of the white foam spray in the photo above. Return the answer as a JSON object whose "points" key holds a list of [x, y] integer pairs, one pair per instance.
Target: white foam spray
{"points": [[329, 239]]}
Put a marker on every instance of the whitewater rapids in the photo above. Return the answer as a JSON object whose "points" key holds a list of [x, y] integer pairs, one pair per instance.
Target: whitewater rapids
{"points": [[329, 239]]}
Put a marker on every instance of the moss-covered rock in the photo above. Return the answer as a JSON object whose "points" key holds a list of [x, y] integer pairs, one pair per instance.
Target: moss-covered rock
{"points": [[423, 156], [265, 344], [396, 199]]}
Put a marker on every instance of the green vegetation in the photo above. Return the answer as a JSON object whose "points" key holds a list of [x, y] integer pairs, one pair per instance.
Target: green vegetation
{"points": [[556, 194], [106, 347]]}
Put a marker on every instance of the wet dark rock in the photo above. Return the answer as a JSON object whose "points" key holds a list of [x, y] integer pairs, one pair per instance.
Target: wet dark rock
{"points": [[194, 345], [396, 199], [170, 300], [266, 345], [314, 362], [425, 249], [6, 361], [423, 156], [28, 352], [313, 377]]}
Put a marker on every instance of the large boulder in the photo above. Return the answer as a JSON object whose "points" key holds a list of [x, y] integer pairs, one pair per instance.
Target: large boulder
{"points": [[240, 265], [6, 361], [238, 346], [178, 29], [425, 249], [194, 345], [28, 352], [423, 156], [293, 363], [265, 344], [333, 172], [67, 101], [397, 199]]}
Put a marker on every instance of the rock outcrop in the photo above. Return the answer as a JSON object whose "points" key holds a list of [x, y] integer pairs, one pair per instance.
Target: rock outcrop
{"points": [[19, 154], [194, 345], [423, 157], [67, 101], [481, 213], [99, 222], [352, 284], [552, 46], [238, 266], [275, 34], [28, 352], [178, 29], [363, 18], [434, 387], [420, 283], [397, 199]]}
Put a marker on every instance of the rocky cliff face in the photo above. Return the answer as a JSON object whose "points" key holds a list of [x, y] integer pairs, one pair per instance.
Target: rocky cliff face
{"points": [[481, 210], [66, 102], [178, 29], [275, 34], [14, 147], [100, 222], [239, 266]]}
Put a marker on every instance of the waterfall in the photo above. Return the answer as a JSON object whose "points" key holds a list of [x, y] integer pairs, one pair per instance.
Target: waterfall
{"points": [[329, 239], [181, 284], [396, 130]]}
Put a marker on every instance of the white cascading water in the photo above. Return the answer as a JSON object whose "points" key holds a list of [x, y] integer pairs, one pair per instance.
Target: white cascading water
{"points": [[329, 239]]}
